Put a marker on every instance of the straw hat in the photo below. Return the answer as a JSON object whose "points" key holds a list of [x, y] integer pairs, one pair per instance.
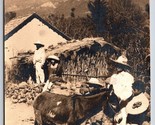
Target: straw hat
{"points": [[121, 62], [137, 105], [38, 43], [94, 81], [53, 57]]}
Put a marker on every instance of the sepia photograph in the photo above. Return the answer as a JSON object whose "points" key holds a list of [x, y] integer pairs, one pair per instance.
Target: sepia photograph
{"points": [[77, 62]]}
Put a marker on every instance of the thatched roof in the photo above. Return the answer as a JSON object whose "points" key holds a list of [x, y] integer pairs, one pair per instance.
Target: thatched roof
{"points": [[76, 45]]}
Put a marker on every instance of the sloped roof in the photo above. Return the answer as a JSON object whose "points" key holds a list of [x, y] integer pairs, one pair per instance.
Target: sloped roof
{"points": [[76, 45], [9, 26], [26, 21]]}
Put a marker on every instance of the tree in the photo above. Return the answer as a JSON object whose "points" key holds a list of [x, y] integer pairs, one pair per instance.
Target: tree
{"points": [[128, 27], [73, 12], [76, 28], [117, 21], [98, 10], [9, 16]]}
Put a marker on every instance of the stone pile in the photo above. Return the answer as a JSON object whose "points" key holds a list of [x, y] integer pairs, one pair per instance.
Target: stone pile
{"points": [[26, 92], [23, 92]]}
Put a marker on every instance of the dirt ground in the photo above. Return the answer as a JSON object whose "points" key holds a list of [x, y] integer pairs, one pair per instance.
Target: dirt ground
{"points": [[18, 114], [22, 113]]}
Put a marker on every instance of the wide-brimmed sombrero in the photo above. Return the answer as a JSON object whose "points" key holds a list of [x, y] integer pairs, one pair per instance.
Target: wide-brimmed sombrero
{"points": [[94, 81], [53, 57], [121, 62], [137, 105], [38, 43]]}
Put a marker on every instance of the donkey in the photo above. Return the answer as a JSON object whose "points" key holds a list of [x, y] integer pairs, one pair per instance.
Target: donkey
{"points": [[52, 109]]}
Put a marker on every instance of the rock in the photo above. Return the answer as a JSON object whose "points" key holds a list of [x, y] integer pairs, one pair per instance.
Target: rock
{"points": [[16, 88], [63, 86], [78, 84], [58, 83], [23, 100], [22, 95], [13, 85], [37, 90], [25, 91], [77, 91], [19, 97], [31, 85], [16, 91], [23, 85], [14, 96], [14, 100], [72, 88], [8, 96]]}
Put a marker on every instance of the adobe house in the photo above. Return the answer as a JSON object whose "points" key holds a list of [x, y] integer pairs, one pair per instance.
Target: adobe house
{"points": [[32, 29], [20, 35]]}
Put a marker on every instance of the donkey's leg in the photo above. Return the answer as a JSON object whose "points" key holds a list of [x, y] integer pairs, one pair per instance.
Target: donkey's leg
{"points": [[38, 119]]}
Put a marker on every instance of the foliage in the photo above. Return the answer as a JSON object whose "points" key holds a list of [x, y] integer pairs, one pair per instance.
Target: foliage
{"points": [[129, 30], [21, 71], [72, 12], [9, 15], [98, 10], [76, 28], [118, 21]]}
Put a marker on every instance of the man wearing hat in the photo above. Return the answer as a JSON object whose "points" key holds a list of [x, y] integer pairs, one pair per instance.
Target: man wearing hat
{"points": [[123, 93], [38, 61], [92, 86], [54, 71]]}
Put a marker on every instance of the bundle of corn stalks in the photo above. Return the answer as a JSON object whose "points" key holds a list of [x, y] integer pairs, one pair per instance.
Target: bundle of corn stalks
{"points": [[87, 58]]}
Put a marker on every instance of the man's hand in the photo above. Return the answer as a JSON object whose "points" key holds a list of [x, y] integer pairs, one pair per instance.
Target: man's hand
{"points": [[118, 118]]}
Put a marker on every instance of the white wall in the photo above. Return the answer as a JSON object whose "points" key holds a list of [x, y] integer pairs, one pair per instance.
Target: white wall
{"points": [[23, 39]]}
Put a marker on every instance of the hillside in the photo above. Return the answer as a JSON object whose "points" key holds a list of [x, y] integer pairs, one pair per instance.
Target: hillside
{"points": [[23, 8], [45, 7], [81, 8]]}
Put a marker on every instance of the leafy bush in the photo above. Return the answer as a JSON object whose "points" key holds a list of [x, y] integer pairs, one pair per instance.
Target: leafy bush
{"points": [[21, 70]]}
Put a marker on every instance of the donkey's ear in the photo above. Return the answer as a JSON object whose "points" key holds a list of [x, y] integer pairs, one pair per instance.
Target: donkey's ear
{"points": [[110, 87]]}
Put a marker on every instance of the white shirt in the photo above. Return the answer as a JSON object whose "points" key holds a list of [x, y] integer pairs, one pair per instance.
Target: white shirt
{"points": [[39, 56], [122, 84]]}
